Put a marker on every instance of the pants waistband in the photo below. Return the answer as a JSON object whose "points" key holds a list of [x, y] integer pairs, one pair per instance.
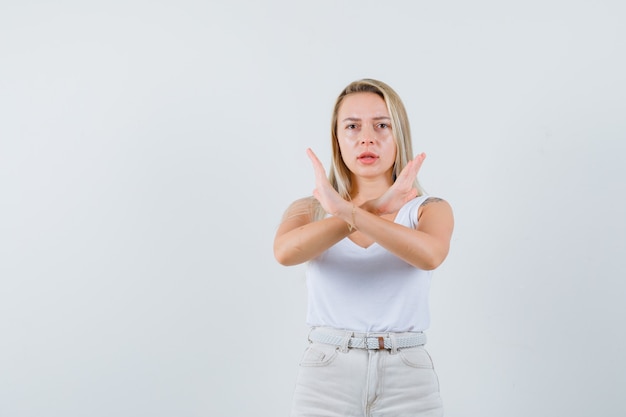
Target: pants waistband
{"points": [[380, 341]]}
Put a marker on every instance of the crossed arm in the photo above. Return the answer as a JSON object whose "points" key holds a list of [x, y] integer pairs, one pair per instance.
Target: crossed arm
{"points": [[299, 238]]}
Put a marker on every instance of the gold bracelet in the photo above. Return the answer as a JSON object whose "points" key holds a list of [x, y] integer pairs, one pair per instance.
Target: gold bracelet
{"points": [[352, 226]]}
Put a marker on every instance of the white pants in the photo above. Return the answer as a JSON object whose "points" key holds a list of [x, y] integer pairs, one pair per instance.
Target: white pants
{"points": [[335, 381]]}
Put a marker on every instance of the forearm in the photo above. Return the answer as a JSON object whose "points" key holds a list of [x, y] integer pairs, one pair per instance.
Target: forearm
{"points": [[413, 246], [310, 240]]}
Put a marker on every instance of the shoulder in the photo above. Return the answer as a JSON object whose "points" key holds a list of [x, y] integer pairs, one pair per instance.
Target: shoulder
{"points": [[305, 203], [431, 204], [302, 208], [434, 200]]}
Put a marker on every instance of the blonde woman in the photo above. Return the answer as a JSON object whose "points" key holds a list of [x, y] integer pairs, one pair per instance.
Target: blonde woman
{"points": [[372, 239]]}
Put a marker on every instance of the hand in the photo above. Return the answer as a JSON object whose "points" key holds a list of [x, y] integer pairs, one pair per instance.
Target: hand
{"points": [[401, 191], [324, 192]]}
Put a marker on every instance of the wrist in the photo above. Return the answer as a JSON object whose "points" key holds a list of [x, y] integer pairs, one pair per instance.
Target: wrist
{"points": [[371, 207], [349, 216]]}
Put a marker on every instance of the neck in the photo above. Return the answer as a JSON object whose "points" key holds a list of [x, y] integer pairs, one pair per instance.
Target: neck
{"points": [[365, 190]]}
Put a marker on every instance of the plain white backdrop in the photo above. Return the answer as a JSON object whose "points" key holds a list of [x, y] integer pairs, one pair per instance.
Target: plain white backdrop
{"points": [[149, 148]]}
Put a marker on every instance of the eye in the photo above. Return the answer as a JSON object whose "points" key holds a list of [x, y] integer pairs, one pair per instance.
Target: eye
{"points": [[383, 125], [351, 126]]}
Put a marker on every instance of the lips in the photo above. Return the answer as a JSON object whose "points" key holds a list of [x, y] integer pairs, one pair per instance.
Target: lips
{"points": [[367, 155], [367, 158]]}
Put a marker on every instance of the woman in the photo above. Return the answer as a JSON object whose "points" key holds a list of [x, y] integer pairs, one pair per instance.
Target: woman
{"points": [[371, 239]]}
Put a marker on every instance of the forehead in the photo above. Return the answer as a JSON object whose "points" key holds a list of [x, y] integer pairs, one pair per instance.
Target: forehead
{"points": [[363, 105]]}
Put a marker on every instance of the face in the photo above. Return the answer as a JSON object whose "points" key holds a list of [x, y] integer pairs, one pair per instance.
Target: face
{"points": [[364, 133]]}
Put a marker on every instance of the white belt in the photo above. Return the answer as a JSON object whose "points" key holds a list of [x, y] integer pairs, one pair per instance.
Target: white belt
{"points": [[368, 342]]}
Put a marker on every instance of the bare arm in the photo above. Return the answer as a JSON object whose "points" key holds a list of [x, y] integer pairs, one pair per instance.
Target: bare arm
{"points": [[299, 239], [425, 247]]}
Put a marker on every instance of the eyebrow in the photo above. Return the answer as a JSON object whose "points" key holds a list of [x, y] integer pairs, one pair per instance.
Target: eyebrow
{"points": [[356, 119]]}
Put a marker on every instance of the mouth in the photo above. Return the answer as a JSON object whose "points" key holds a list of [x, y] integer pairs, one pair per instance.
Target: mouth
{"points": [[367, 157]]}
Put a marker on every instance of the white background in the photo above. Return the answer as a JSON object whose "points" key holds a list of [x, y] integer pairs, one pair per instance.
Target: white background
{"points": [[149, 148]]}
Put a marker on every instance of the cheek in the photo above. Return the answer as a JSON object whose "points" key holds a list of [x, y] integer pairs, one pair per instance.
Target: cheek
{"points": [[391, 145], [348, 136], [345, 143], [341, 144], [343, 149], [392, 153]]}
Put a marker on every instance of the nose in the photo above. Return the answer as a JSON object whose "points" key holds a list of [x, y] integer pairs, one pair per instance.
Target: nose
{"points": [[367, 136]]}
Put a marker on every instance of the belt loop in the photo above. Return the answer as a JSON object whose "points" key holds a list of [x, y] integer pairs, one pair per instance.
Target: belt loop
{"points": [[311, 330], [343, 348], [394, 343]]}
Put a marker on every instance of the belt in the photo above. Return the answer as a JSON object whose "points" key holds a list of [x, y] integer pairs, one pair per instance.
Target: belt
{"points": [[369, 342]]}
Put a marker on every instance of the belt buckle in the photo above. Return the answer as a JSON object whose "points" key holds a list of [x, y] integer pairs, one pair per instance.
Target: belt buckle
{"points": [[381, 343], [379, 339]]}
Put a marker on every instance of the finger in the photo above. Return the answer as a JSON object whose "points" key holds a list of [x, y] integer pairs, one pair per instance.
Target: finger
{"points": [[317, 165], [314, 159], [312, 156], [419, 160], [406, 170]]}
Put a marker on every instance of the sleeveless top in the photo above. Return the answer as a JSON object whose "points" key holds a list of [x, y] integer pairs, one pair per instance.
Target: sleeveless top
{"points": [[369, 289]]}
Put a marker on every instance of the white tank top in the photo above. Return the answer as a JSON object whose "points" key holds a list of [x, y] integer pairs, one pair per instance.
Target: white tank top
{"points": [[369, 289]]}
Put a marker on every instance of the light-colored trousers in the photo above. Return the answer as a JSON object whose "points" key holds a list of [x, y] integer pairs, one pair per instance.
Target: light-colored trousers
{"points": [[339, 382]]}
